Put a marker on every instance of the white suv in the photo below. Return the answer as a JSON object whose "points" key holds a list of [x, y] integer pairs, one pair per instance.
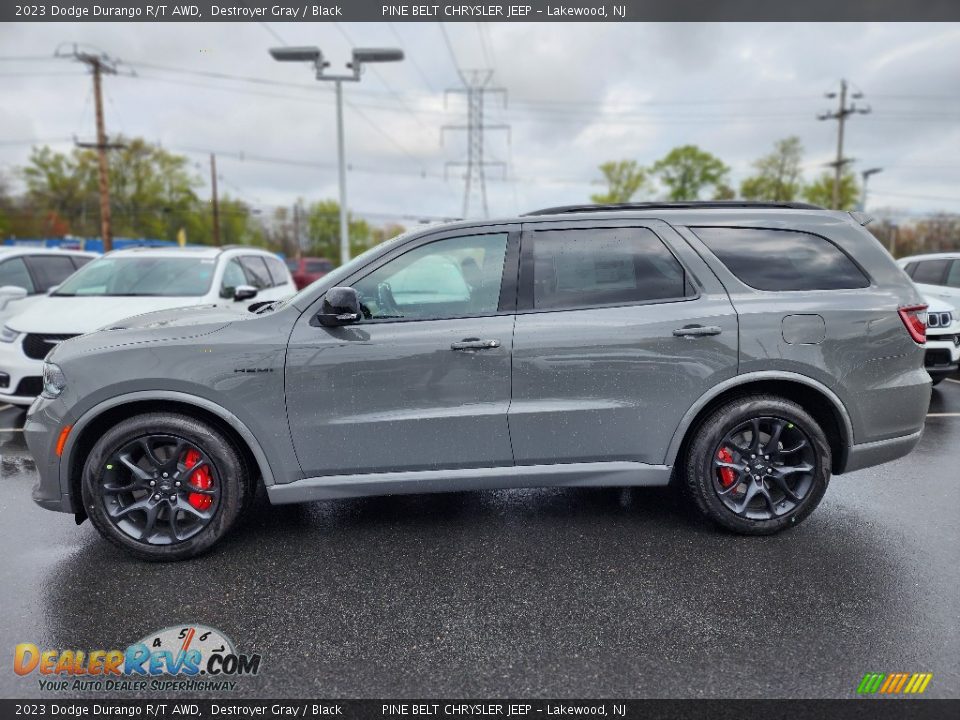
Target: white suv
{"points": [[28, 273], [935, 274], [132, 282], [943, 339]]}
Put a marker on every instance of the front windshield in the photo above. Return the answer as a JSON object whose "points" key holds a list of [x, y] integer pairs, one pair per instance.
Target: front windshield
{"points": [[141, 276]]}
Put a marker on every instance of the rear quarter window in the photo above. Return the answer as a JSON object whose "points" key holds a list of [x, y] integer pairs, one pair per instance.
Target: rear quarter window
{"points": [[782, 260]]}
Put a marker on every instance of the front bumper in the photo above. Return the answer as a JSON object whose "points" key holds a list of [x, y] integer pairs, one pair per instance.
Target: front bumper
{"points": [[41, 430], [20, 376], [942, 356]]}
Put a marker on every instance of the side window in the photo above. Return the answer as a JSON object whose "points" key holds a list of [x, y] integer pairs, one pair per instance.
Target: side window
{"points": [[603, 266], [953, 276], [233, 277], [80, 260], [278, 271], [14, 272], [50, 270], [782, 259], [930, 272], [456, 277], [910, 268], [257, 273]]}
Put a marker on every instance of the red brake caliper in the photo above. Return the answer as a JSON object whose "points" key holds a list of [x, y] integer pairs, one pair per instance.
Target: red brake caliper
{"points": [[727, 475], [200, 479]]}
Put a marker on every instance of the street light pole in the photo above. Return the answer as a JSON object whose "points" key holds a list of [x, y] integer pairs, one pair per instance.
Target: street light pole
{"points": [[865, 177], [341, 161], [359, 57]]}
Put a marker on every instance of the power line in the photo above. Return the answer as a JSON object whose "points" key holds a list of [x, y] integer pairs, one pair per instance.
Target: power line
{"points": [[413, 61], [453, 55]]}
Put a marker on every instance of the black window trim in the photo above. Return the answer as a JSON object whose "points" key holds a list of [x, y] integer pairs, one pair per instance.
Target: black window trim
{"points": [[867, 276], [266, 267], [508, 280], [28, 261], [525, 303]]}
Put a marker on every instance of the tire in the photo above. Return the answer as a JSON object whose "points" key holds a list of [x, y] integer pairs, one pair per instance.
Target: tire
{"points": [[714, 489], [196, 523]]}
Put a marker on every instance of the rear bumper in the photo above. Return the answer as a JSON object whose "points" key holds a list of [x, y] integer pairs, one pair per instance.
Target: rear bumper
{"points": [[866, 455]]}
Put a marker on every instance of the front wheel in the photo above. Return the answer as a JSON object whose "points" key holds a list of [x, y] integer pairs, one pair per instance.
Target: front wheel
{"points": [[758, 465], [164, 486]]}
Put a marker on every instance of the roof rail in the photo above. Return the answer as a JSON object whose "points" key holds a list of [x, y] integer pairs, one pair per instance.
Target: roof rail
{"points": [[683, 205]]}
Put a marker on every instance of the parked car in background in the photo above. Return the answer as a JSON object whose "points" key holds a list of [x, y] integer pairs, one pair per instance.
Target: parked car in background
{"points": [[307, 270], [943, 339], [28, 273], [936, 275], [131, 282], [745, 351]]}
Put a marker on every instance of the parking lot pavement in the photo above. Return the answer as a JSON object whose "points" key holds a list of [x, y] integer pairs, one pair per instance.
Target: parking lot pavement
{"points": [[563, 593]]}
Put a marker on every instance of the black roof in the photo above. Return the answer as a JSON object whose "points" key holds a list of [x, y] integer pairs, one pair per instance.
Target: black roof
{"points": [[685, 205]]}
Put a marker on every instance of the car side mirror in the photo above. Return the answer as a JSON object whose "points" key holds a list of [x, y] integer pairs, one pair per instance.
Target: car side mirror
{"points": [[341, 306], [10, 293], [244, 292]]}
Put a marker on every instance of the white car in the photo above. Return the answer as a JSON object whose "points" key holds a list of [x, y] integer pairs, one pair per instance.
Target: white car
{"points": [[28, 273], [132, 282], [943, 339], [936, 275]]}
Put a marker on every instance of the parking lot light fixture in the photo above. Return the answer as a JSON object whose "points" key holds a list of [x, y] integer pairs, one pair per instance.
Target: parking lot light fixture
{"points": [[359, 57]]}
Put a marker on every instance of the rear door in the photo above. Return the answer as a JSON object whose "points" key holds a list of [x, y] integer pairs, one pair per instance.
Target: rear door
{"points": [[620, 328]]}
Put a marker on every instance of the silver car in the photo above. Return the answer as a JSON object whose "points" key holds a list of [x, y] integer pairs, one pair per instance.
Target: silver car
{"points": [[743, 351]]}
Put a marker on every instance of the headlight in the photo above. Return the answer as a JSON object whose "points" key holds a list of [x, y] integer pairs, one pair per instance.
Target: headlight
{"points": [[54, 380], [8, 335]]}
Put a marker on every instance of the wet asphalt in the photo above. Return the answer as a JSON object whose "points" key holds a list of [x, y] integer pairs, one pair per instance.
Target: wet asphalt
{"points": [[533, 593]]}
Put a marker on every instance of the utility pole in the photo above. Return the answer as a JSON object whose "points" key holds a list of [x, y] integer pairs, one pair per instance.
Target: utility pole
{"points": [[475, 88], [216, 200], [99, 65], [843, 111], [298, 250]]}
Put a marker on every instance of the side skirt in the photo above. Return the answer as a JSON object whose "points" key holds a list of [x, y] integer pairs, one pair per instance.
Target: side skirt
{"points": [[596, 474]]}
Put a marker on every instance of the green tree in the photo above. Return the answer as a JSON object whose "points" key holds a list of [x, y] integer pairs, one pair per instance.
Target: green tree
{"points": [[624, 178], [778, 173], [63, 186], [323, 231], [688, 170], [820, 191]]}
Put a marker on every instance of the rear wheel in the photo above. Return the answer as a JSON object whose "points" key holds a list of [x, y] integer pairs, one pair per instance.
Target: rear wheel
{"points": [[758, 465], [164, 486]]}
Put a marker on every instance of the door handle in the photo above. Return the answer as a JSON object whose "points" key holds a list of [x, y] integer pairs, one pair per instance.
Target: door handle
{"points": [[475, 344], [694, 331]]}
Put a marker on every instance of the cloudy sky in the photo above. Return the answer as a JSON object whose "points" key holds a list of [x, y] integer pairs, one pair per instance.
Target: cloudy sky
{"points": [[577, 95]]}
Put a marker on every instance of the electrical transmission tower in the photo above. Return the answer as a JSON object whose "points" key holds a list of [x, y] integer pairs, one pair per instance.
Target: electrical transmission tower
{"points": [[841, 115], [476, 86]]}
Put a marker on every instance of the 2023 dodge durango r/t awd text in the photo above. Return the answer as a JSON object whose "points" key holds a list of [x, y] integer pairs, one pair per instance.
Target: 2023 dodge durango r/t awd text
{"points": [[744, 351]]}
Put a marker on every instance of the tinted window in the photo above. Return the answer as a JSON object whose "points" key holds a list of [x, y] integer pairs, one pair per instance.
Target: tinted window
{"points": [[930, 272], [14, 272], [80, 260], [603, 266], [953, 276], [256, 269], [278, 271], [455, 277], [782, 259], [50, 270]]}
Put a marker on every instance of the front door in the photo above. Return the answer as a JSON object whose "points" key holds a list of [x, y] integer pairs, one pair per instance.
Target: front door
{"points": [[423, 381], [617, 335]]}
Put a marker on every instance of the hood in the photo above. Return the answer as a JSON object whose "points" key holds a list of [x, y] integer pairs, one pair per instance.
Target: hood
{"points": [[935, 304], [181, 317], [77, 315]]}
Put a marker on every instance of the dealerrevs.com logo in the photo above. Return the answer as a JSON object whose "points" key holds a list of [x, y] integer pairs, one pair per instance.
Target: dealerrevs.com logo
{"points": [[179, 658]]}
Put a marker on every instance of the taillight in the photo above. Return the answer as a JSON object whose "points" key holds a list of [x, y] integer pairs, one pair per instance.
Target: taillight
{"points": [[915, 319]]}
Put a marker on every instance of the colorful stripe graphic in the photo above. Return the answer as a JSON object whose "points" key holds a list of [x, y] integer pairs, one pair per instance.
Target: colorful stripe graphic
{"points": [[894, 683]]}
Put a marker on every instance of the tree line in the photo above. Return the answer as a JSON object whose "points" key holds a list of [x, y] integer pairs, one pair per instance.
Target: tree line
{"points": [[153, 194], [690, 173]]}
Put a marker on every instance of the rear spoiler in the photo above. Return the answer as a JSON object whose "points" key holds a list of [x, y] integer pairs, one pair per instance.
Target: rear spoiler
{"points": [[861, 218]]}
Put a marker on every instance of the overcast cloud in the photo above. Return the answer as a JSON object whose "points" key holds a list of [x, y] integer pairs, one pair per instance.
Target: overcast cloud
{"points": [[578, 94]]}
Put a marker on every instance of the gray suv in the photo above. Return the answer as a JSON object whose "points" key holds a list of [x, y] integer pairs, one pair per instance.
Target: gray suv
{"points": [[743, 351]]}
